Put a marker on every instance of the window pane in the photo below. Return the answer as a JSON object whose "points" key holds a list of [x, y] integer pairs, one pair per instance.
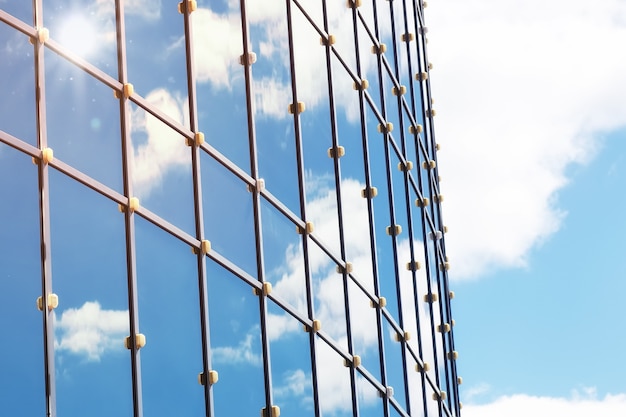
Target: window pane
{"points": [[169, 317], [87, 31], [221, 92], [89, 276], [83, 121], [161, 163], [235, 344], [228, 214], [291, 364], [21, 362], [17, 108]]}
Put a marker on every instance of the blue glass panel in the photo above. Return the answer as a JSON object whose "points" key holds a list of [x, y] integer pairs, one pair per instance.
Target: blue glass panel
{"points": [[235, 344], [83, 121], [84, 30], [370, 402], [23, 10], [21, 362], [284, 258], [291, 365], [393, 363], [161, 163], [169, 317], [328, 295], [89, 276], [364, 330], [17, 108], [155, 49], [335, 395], [228, 215], [221, 92]]}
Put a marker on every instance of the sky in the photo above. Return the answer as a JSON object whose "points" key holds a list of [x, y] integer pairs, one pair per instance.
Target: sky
{"points": [[531, 117], [532, 132]]}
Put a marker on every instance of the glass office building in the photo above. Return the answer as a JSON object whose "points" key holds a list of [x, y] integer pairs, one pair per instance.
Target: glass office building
{"points": [[221, 208]]}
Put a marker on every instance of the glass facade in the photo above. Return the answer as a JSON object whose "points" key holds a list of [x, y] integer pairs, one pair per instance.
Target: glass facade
{"points": [[221, 208]]}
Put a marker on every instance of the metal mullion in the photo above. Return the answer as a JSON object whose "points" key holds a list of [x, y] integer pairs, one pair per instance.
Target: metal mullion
{"points": [[44, 215], [198, 213], [19, 144], [310, 20], [373, 37], [256, 204], [363, 288], [333, 345], [446, 315], [345, 66], [302, 198], [129, 218], [433, 333], [373, 108], [450, 339], [391, 320], [394, 403], [227, 163], [398, 151], [418, 11], [421, 57], [402, 156], [413, 184], [80, 63], [429, 132], [18, 25], [425, 218], [87, 181], [363, 95], [410, 112], [60, 50], [371, 379], [435, 211], [416, 300]]}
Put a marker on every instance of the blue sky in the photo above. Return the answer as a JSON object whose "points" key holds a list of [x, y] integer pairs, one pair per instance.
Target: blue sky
{"points": [[532, 165], [538, 271]]}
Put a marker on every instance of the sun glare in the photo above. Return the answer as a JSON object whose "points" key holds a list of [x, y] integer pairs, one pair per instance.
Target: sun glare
{"points": [[79, 34]]}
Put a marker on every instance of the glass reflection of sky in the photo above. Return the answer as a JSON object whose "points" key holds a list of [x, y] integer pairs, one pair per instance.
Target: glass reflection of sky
{"points": [[92, 370]]}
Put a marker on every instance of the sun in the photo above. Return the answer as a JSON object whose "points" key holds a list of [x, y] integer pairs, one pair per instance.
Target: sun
{"points": [[79, 34]]}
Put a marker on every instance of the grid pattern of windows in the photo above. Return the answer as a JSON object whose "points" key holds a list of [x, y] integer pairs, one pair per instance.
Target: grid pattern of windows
{"points": [[221, 208]]}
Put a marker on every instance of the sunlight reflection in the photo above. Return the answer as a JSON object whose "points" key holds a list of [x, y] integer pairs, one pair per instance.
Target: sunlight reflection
{"points": [[80, 34]]}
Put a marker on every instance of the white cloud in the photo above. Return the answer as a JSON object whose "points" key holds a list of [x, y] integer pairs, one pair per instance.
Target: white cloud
{"points": [[334, 380], [295, 383], [527, 405], [273, 94], [146, 9], [475, 391], [523, 90], [164, 149], [278, 325], [236, 355], [91, 331], [218, 45]]}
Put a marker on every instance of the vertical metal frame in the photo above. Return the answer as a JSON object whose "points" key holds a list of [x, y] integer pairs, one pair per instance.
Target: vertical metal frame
{"points": [[196, 173], [370, 207], [256, 203], [340, 212], [129, 215], [302, 201], [44, 213]]}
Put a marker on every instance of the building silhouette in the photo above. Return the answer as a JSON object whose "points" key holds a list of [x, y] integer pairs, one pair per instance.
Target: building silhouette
{"points": [[221, 208]]}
